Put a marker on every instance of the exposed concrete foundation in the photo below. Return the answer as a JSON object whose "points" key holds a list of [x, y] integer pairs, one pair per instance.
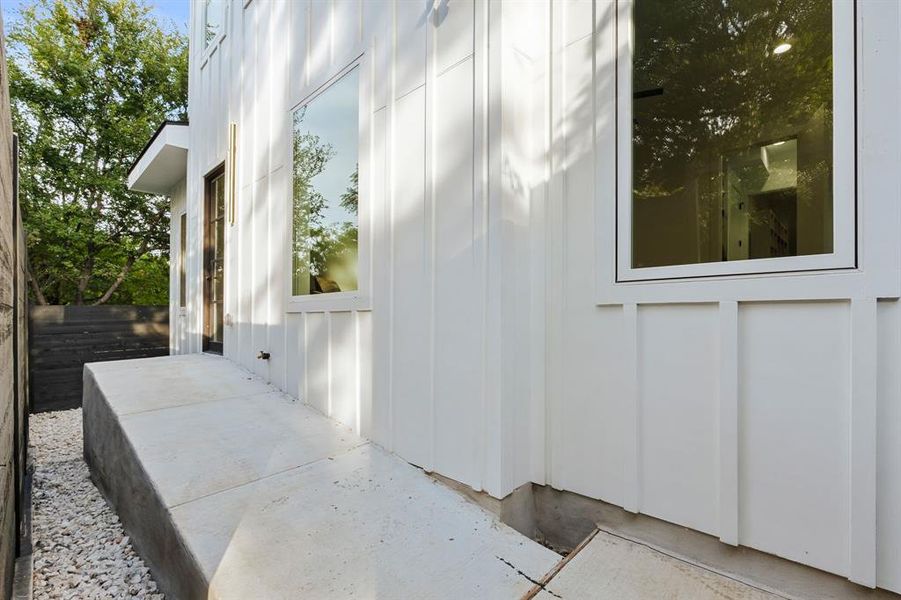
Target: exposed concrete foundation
{"points": [[563, 519]]}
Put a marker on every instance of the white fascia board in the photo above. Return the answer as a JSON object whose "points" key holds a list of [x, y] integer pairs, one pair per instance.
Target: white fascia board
{"points": [[164, 161]]}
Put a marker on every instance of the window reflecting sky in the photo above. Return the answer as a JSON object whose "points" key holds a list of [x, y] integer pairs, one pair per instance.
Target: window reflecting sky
{"points": [[325, 189], [327, 117]]}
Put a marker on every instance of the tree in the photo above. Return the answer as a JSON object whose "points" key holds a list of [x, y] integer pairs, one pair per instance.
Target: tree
{"points": [[90, 80]]}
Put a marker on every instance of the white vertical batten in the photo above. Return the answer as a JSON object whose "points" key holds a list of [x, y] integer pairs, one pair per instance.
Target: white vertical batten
{"points": [[555, 240], [539, 148], [631, 412], [305, 381], [499, 438], [429, 217], [728, 423], [480, 224], [358, 404], [328, 362], [390, 190], [862, 505]]}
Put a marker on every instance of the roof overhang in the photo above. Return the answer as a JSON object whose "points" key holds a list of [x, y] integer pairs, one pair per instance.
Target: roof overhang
{"points": [[163, 162]]}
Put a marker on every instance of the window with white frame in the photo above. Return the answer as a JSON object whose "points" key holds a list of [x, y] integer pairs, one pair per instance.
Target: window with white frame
{"points": [[182, 260], [213, 21], [325, 190], [736, 138]]}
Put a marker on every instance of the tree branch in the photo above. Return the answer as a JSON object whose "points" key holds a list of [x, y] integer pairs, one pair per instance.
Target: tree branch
{"points": [[130, 261], [123, 273], [38, 294]]}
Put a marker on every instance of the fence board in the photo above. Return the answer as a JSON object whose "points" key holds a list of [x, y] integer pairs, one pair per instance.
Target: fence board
{"points": [[13, 337], [63, 338]]}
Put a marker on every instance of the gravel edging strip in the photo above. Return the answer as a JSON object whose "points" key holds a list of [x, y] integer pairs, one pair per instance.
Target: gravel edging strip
{"points": [[80, 549]]}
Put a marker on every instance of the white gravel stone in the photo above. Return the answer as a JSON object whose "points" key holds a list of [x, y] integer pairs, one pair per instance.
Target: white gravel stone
{"points": [[80, 549]]}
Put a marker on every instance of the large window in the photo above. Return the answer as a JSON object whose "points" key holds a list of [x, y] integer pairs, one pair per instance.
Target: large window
{"points": [[325, 190], [732, 136], [213, 20]]}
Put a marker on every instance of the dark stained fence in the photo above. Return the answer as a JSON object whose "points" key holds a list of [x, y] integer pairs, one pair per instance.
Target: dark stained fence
{"points": [[63, 338]]}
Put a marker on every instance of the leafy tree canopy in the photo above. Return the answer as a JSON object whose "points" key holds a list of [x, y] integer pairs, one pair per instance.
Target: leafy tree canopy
{"points": [[90, 80]]}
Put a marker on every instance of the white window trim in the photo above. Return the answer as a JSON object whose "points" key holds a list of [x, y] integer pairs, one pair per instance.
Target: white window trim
{"points": [[849, 271], [358, 299]]}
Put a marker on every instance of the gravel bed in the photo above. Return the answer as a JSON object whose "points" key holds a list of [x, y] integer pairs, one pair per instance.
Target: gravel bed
{"points": [[80, 549]]}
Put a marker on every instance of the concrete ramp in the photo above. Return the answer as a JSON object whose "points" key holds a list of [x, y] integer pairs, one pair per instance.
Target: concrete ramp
{"points": [[230, 489]]}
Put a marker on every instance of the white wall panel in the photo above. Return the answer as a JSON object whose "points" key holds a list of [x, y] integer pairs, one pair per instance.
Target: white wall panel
{"points": [[678, 395], [365, 359], [279, 218], [259, 282], [243, 327], [297, 49], [317, 358], [888, 449], [577, 19], [342, 346], [588, 417], [411, 399], [382, 272], [346, 30], [589, 457], [454, 34], [410, 20], [378, 29], [458, 346], [320, 42], [793, 434], [294, 355]]}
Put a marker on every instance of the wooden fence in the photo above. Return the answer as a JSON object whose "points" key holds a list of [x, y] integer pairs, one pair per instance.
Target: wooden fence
{"points": [[63, 338], [13, 354]]}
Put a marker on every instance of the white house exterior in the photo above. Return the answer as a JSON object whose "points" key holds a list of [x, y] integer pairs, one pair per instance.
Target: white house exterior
{"points": [[505, 327]]}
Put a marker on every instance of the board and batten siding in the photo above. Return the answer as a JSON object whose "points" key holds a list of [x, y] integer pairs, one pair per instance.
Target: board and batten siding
{"points": [[483, 353], [775, 425], [411, 368]]}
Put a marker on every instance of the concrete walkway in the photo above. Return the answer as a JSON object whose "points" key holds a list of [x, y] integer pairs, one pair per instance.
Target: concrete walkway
{"points": [[228, 485], [230, 489]]}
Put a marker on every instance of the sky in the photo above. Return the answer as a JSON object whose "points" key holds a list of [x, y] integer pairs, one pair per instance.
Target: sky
{"points": [[165, 10], [332, 116]]}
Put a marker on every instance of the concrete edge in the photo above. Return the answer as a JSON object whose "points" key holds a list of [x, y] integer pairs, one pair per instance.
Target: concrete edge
{"points": [[564, 519], [120, 477]]}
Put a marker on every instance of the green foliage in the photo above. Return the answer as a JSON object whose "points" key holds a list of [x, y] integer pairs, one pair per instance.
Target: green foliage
{"points": [[90, 80], [148, 282], [720, 86]]}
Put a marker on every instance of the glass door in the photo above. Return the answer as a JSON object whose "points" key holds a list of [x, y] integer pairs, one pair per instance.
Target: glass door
{"points": [[214, 261]]}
